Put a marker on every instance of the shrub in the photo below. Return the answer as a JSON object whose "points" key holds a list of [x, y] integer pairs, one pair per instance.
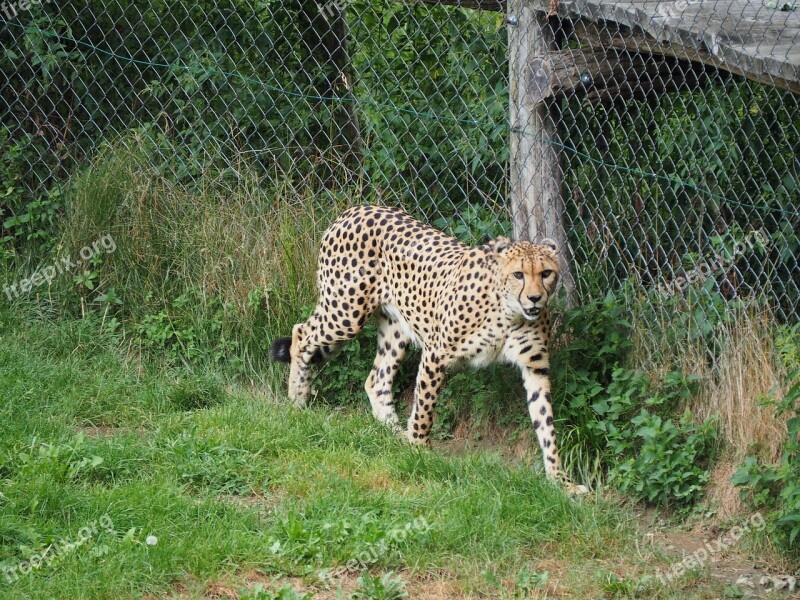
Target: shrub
{"points": [[667, 463], [623, 415]]}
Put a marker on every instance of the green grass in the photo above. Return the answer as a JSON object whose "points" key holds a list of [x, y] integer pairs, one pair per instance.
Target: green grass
{"points": [[195, 269], [233, 482]]}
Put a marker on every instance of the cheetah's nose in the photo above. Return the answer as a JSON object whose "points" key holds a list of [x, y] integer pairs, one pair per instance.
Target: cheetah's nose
{"points": [[534, 298]]}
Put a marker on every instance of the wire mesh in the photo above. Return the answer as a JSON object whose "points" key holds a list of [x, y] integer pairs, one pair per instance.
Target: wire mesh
{"points": [[658, 141]]}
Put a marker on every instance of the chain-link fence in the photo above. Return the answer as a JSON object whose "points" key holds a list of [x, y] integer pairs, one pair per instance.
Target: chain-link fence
{"points": [[659, 142]]}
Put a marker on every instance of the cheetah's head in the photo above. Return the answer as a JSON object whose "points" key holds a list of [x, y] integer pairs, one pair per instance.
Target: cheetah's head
{"points": [[528, 274]]}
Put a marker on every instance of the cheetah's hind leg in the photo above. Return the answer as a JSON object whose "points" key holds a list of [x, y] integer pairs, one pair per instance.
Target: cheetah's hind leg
{"points": [[297, 352], [392, 347], [314, 341]]}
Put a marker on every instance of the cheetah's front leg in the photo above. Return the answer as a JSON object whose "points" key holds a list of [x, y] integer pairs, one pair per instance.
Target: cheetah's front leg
{"points": [[430, 378], [537, 387]]}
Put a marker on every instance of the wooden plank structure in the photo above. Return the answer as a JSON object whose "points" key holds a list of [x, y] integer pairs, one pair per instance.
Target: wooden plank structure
{"points": [[624, 50], [603, 50], [745, 37]]}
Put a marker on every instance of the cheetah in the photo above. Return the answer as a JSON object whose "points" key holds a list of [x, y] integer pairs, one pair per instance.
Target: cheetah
{"points": [[457, 303]]}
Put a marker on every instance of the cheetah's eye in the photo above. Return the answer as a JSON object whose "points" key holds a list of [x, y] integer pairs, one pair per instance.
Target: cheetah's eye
{"points": [[518, 275], [546, 274]]}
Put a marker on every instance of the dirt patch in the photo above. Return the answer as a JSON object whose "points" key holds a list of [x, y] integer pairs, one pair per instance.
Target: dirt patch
{"points": [[104, 431], [429, 588], [716, 551], [522, 448]]}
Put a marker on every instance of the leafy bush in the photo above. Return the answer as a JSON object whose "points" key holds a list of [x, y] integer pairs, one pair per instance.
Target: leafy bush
{"points": [[593, 338], [622, 414], [588, 343], [180, 335], [650, 456], [25, 223], [669, 462]]}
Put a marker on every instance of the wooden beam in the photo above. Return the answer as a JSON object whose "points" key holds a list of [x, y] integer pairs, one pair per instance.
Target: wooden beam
{"points": [[537, 205], [492, 5], [606, 34], [600, 75]]}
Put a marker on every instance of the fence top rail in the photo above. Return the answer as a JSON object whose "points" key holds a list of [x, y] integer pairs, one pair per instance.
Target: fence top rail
{"points": [[759, 39]]}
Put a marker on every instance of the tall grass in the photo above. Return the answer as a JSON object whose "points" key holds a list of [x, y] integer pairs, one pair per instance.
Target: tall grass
{"points": [[746, 373], [227, 263], [741, 373], [738, 366]]}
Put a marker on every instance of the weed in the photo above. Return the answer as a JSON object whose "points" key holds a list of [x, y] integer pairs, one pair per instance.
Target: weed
{"points": [[528, 582], [260, 592], [671, 460], [380, 587], [222, 469]]}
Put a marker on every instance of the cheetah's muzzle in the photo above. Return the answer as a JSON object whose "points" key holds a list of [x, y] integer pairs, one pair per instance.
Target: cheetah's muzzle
{"points": [[532, 312]]}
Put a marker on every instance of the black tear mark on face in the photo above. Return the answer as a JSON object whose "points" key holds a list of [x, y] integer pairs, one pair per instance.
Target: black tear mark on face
{"points": [[522, 279]]}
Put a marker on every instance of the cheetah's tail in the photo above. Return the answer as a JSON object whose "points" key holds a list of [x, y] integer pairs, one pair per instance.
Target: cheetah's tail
{"points": [[279, 351]]}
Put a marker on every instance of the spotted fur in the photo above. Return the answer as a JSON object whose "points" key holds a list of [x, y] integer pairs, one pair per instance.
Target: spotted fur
{"points": [[455, 302]]}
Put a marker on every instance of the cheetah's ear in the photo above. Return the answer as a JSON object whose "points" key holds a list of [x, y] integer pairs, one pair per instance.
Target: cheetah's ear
{"points": [[501, 243], [550, 244]]}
